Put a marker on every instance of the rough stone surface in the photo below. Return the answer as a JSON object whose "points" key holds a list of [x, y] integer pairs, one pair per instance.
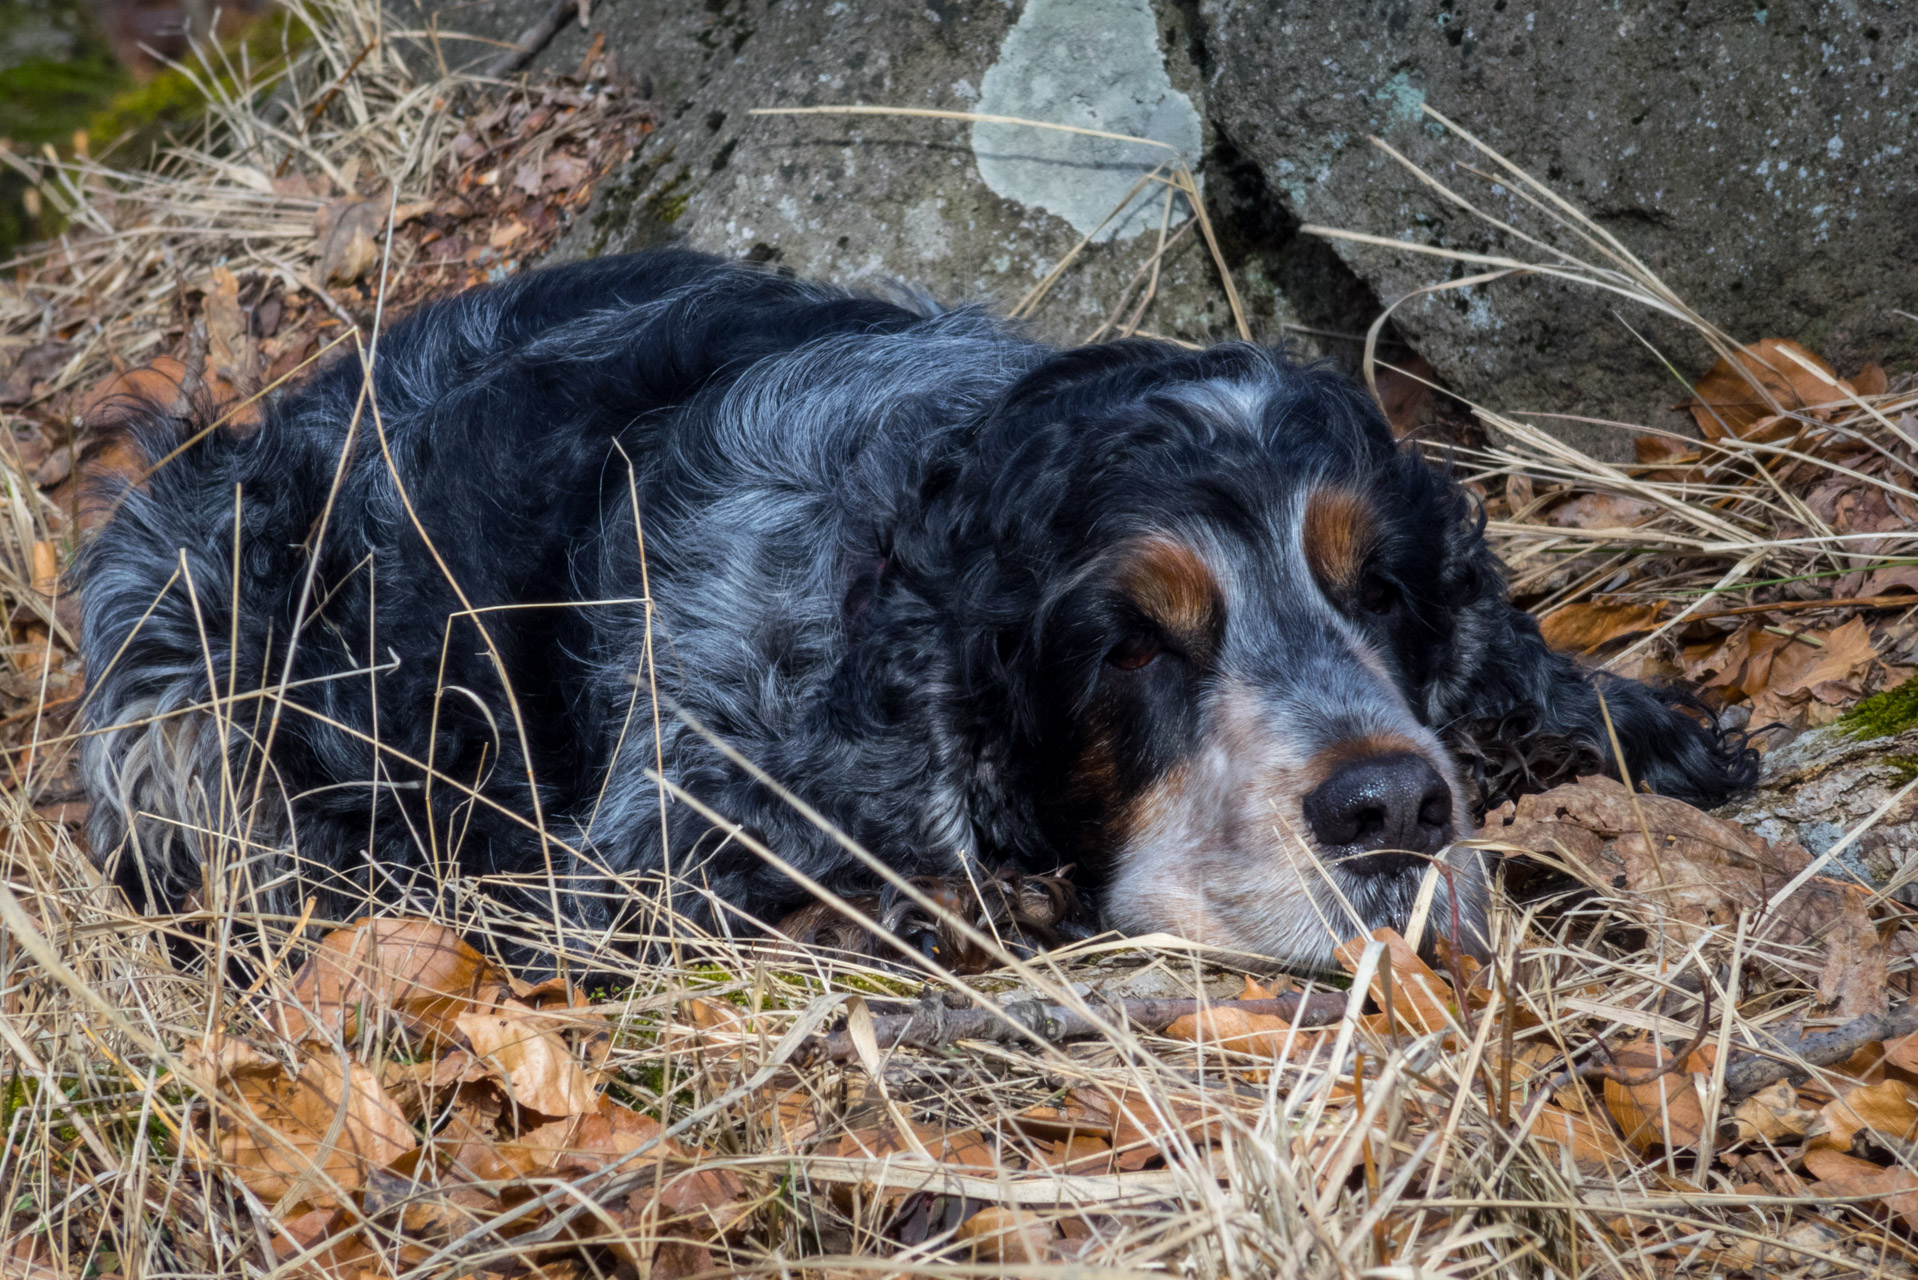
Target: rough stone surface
{"points": [[1761, 158], [1825, 783], [869, 200]]}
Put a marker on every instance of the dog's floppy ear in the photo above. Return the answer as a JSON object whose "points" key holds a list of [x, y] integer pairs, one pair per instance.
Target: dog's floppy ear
{"points": [[1503, 682]]}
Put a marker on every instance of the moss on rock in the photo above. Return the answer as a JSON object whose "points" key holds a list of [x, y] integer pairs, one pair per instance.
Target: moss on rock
{"points": [[1883, 714]]}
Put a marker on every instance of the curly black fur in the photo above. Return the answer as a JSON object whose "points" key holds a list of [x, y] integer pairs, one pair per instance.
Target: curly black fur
{"points": [[872, 537]]}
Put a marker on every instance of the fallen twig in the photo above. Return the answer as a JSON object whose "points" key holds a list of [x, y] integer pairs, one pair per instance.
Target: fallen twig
{"points": [[1748, 1072], [933, 1024]]}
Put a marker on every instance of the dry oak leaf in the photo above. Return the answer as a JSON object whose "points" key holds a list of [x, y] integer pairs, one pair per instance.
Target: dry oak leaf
{"points": [[415, 1200], [564, 172], [1725, 402], [1840, 1175], [1601, 511], [164, 385], [794, 1112], [1841, 654], [506, 233], [966, 1148], [344, 1252], [1080, 1155], [1420, 1000], [1141, 1128], [1698, 874], [1583, 626], [1903, 1052], [1259, 1035], [1786, 1253], [1773, 1114], [684, 1192], [345, 237], [230, 352], [418, 974], [1703, 660], [1065, 1123], [318, 1132], [1888, 1108], [681, 1260], [532, 1060], [1666, 1112], [1592, 1144], [1000, 1234]]}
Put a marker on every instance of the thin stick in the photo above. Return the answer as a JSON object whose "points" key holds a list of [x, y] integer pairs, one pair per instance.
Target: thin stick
{"points": [[932, 1025]]}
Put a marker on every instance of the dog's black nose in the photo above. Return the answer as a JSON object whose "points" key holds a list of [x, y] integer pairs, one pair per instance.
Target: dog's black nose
{"points": [[1396, 804]]}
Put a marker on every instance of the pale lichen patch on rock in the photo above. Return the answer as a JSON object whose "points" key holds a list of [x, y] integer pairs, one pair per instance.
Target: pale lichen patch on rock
{"points": [[1094, 64]]}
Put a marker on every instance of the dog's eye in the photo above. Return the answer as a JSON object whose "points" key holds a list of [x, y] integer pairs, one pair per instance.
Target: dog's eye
{"points": [[1134, 652], [1377, 595]]}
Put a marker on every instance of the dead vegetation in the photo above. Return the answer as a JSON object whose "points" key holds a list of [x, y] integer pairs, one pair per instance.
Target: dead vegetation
{"points": [[1690, 1055]]}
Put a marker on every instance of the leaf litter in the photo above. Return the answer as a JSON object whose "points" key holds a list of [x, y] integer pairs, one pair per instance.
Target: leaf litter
{"points": [[1669, 1065]]}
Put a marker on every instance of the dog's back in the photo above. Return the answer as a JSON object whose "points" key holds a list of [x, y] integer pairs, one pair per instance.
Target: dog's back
{"points": [[1190, 619], [763, 428]]}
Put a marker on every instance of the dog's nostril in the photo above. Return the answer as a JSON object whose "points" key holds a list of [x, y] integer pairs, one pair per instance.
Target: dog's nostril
{"points": [[1395, 803]]}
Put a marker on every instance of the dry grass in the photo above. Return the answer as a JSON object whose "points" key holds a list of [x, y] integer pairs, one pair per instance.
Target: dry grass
{"points": [[1416, 1142]]}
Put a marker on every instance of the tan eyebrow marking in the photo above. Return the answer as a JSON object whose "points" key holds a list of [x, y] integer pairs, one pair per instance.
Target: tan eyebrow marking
{"points": [[1337, 533], [1174, 586]]}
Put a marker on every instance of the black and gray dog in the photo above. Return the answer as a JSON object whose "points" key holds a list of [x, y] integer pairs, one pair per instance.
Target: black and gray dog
{"points": [[1190, 621]]}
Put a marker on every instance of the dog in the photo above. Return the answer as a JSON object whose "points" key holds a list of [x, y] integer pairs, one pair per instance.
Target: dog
{"points": [[640, 569]]}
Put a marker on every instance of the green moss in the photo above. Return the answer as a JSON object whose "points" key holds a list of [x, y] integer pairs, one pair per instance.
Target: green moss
{"points": [[667, 204], [1905, 767], [45, 101], [1883, 714], [140, 116], [873, 984]]}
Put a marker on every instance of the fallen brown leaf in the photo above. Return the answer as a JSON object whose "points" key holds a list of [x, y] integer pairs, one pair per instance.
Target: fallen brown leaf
{"points": [[1699, 873], [1260, 1035], [1843, 1175], [416, 973], [1773, 1114], [315, 1134], [1838, 654], [1903, 1052], [1663, 1112], [1420, 1000], [1593, 1146], [1080, 1155], [345, 235], [1601, 511], [1888, 1108], [539, 1070], [231, 354], [1583, 626], [1724, 402], [1006, 1235]]}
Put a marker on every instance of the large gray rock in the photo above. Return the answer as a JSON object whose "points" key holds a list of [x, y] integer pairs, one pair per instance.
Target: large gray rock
{"points": [[965, 212], [1826, 784], [1760, 160]]}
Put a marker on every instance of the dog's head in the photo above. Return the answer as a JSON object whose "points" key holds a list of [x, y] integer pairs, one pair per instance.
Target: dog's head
{"points": [[1208, 624]]}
